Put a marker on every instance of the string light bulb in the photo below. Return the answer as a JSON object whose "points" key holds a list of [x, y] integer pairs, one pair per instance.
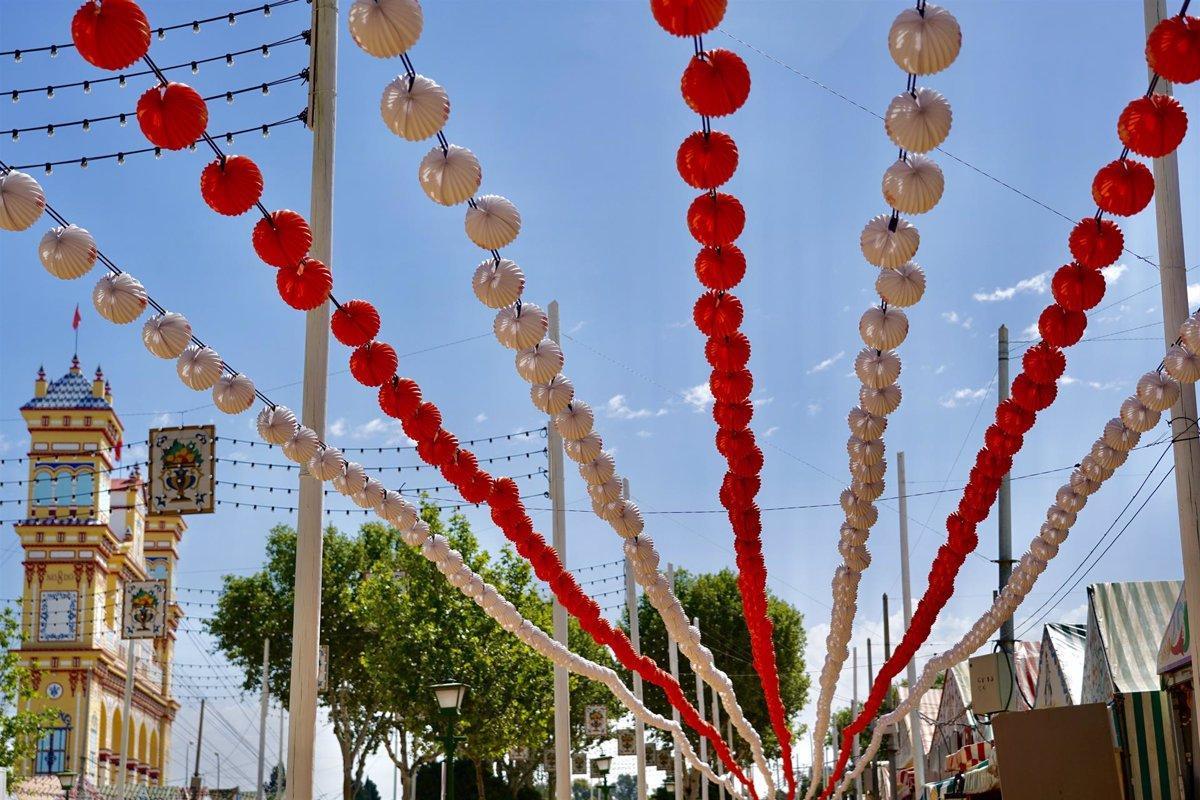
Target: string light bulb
{"points": [[162, 34], [232, 19], [16, 96], [16, 55], [229, 138], [229, 97], [54, 51], [228, 60], [158, 152], [49, 168], [120, 158], [83, 163], [87, 124], [266, 10], [195, 27], [195, 67], [16, 134], [122, 119], [266, 89], [49, 92], [266, 51], [87, 87], [266, 131], [49, 130], [121, 81]]}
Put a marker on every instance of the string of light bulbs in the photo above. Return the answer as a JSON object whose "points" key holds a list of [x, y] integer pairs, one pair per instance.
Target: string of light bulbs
{"points": [[272, 465], [402, 448], [403, 489]]}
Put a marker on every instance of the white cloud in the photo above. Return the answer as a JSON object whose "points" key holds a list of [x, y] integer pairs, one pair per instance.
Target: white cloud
{"points": [[813, 408], [162, 420], [577, 327], [371, 428], [1035, 285], [1067, 380], [699, 397], [1193, 293], [644, 434], [1031, 331], [338, 427], [1113, 273], [481, 417], [618, 408], [821, 366], [771, 431], [963, 397], [954, 319], [763, 401]]}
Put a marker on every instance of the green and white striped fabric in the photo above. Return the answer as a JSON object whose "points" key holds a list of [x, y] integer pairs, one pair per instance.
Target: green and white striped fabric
{"points": [[1145, 727], [1125, 627]]}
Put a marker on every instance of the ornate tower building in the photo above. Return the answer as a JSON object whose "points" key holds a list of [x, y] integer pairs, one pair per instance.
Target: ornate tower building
{"points": [[86, 533]]}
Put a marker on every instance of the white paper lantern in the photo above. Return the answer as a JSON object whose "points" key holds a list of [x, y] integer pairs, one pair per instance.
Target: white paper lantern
{"points": [[865, 452], [865, 517], [1094, 470], [856, 557], [398, 511], [887, 244], [1042, 549], [119, 298], [553, 395], [852, 503], [918, 122], [926, 41], [450, 176], [865, 425], [326, 464], [913, 185], [541, 362], [1189, 332], [901, 287], [1108, 457], [199, 367], [628, 521], [575, 421], [883, 330], [583, 449], [21, 201], [353, 479], [67, 252], [1070, 500], [853, 535], [167, 335], [876, 368], [371, 495], [866, 490], [1082, 484], [1158, 392], [417, 112], [1182, 364], [1053, 535], [277, 424], [1060, 518], [1119, 437], [233, 394], [598, 470], [606, 491], [520, 326], [492, 222], [498, 284], [880, 402], [871, 473], [303, 445], [1137, 417], [606, 510], [385, 28]]}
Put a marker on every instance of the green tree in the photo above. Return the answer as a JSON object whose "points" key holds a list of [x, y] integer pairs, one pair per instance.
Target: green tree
{"points": [[581, 789], [368, 791], [19, 730], [624, 787], [274, 784]]}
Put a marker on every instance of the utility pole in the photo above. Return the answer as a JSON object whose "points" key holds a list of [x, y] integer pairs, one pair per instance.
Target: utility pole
{"points": [[395, 769], [871, 682], [853, 715], [1004, 557], [264, 704], [558, 526], [673, 664], [281, 784], [703, 714], [635, 638], [913, 715], [127, 737], [1173, 274], [716, 723], [196, 784], [889, 751], [306, 617]]}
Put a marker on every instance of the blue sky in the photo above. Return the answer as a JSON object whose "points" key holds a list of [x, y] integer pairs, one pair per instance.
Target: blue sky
{"points": [[574, 111]]}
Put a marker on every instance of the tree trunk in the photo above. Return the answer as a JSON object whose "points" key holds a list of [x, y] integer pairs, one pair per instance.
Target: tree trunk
{"points": [[479, 778]]}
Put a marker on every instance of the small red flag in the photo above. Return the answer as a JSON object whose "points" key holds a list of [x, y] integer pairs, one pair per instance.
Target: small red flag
{"points": [[76, 319], [120, 444]]}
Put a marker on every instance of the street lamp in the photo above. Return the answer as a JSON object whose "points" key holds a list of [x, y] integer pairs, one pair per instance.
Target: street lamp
{"points": [[449, 697], [603, 765]]}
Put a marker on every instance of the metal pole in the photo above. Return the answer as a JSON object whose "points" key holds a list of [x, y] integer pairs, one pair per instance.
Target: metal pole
{"points": [[281, 784], [716, 722], [306, 620], [1004, 557], [451, 743], [395, 769], [883, 745], [558, 526], [262, 719], [890, 752], [853, 714], [196, 786], [1173, 274], [918, 755], [639, 728], [673, 664], [700, 708], [126, 710]]}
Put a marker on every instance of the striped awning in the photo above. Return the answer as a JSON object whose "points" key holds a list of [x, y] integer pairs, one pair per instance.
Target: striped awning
{"points": [[1147, 738], [1130, 620], [963, 759]]}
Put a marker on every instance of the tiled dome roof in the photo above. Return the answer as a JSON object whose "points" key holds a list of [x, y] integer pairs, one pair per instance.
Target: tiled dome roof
{"points": [[71, 391]]}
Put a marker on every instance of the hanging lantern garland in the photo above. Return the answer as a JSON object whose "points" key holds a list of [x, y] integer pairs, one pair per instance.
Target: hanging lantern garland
{"points": [[921, 41], [716, 83], [1124, 187]]}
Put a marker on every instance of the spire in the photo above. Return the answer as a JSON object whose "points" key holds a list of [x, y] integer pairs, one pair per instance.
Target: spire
{"points": [[98, 383], [39, 385], [75, 364]]}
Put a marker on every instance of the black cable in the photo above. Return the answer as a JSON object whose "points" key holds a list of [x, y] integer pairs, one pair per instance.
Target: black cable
{"points": [[488, 439]]}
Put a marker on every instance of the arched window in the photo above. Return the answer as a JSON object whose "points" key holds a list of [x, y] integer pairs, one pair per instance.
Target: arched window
{"points": [[84, 486], [63, 491], [42, 491]]}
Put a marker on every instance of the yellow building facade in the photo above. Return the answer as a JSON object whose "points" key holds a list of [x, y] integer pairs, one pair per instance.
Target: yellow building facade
{"points": [[86, 534]]}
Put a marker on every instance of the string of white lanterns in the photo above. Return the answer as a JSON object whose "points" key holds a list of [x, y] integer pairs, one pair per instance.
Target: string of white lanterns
{"points": [[415, 108], [922, 41]]}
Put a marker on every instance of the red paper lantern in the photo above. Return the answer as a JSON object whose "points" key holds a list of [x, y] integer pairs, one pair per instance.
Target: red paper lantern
{"points": [[717, 313], [716, 219], [750, 463], [1061, 327], [994, 465], [728, 352], [1096, 243], [688, 17], [477, 489], [442, 447], [282, 239], [1077, 288], [1001, 441], [172, 116], [746, 521], [111, 34], [1044, 363], [735, 443], [978, 476], [716, 83], [399, 397], [962, 535], [733, 415], [720, 268], [505, 494], [423, 422], [305, 285], [731, 386], [1173, 49], [521, 524], [1123, 187], [373, 363], [972, 509], [354, 323], [738, 491], [1014, 418], [1153, 126], [1033, 396], [706, 161], [233, 187]]}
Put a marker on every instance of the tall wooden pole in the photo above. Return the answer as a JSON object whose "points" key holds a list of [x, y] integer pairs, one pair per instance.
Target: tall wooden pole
{"points": [[264, 706], [558, 525], [700, 708], [854, 714], [196, 782], [913, 715], [1173, 274], [306, 619], [635, 638], [673, 664], [1004, 557]]}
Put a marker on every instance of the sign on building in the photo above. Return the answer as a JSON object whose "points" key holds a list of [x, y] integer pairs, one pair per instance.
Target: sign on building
{"points": [[144, 612], [664, 760], [182, 470], [626, 743], [579, 763], [595, 720]]}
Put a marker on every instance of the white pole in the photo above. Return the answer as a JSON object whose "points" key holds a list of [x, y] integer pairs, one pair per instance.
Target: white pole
{"points": [[262, 720], [716, 722], [395, 769], [635, 638], [281, 784], [673, 662], [913, 715], [1173, 274], [306, 620], [853, 715], [558, 526], [700, 708], [126, 710]]}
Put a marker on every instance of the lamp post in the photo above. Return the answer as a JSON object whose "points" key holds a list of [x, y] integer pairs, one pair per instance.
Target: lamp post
{"points": [[218, 770], [603, 765], [449, 699]]}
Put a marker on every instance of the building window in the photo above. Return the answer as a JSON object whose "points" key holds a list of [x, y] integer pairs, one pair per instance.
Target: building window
{"points": [[45, 422], [66, 421], [42, 493], [52, 752], [87, 422], [63, 490], [83, 489]]}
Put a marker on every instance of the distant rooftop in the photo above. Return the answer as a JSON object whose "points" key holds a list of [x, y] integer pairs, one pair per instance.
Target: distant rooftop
{"points": [[71, 391]]}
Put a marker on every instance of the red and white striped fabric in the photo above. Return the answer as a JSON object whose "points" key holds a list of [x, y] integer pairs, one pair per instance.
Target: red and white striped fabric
{"points": [[905, 776], [962, 760]]}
